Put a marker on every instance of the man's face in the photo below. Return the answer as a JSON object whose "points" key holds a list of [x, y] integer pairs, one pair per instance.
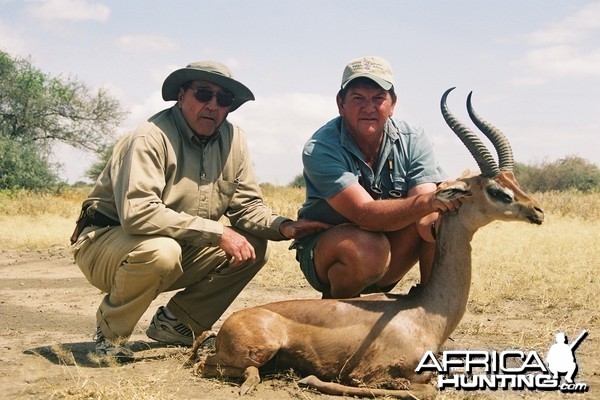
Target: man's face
{"points": [[203, 117], [365, 109]]}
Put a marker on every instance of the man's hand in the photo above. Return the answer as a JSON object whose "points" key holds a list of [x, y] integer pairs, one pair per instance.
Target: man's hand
{"points": [[301, 228], [445, 206], [441, 205], [236, 246]]}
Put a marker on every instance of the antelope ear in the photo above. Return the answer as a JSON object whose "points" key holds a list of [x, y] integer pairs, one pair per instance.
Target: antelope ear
{"points": [[453, 190]]}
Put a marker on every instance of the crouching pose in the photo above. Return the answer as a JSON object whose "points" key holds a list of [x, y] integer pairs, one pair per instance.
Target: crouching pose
{"points": [[152, 223], [373, 177]]}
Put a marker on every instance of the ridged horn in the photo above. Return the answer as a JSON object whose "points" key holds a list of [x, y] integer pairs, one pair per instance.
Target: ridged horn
{"points": [[474, 144], [505, 155]]}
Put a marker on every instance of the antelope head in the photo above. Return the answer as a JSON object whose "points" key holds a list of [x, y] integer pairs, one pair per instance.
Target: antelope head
{"points": [[495, 193]]}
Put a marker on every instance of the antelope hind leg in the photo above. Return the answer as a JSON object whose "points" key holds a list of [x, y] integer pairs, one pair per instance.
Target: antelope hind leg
{"points": [[417, 391]]}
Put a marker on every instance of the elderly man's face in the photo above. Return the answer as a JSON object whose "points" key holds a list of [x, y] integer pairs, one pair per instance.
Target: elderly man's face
{"points": [[365, 109], [203, 117]]}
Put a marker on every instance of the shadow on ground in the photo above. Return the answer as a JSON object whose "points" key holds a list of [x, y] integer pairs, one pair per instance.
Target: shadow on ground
{"points": [[83, 355]]}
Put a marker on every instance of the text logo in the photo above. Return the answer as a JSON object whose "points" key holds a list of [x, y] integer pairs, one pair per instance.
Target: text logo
{"points": [[509, 369]]}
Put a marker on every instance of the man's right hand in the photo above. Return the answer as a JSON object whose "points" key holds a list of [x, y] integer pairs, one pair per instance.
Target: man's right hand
{"points": [[301, 228], [236, 247]]}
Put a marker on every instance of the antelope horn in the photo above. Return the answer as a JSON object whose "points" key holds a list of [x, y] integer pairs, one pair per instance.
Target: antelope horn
{"points": [[474, 144], [500, 142]]}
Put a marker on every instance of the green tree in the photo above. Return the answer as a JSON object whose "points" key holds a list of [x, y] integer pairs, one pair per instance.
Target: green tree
{"points": [[37, 110], [298, 181], [22, 166], [96, 169]]}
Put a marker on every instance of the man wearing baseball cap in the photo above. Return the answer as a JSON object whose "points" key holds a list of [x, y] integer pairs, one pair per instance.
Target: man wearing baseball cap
{"points": [[372, 177], [151, 223]]}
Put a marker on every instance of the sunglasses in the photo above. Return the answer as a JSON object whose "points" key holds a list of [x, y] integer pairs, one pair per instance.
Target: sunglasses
{"points": [[204, 95]]}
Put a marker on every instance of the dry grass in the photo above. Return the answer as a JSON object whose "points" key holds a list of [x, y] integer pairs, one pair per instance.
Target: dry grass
{"points": [[24, 203], [544, 278], [572, 204], [284, 200], [552, 269], [38, 220]]}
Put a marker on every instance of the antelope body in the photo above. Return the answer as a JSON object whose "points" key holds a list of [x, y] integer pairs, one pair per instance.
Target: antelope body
{"points": [[377, 341]]}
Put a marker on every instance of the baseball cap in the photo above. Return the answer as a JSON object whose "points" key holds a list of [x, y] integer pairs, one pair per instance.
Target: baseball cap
{"points": [[372, 67]]}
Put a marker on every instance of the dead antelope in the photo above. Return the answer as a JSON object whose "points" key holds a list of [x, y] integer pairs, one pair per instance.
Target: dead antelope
{"points": [[377, 341]]}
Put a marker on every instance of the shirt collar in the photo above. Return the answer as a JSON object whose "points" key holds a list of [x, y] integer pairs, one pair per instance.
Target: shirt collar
{"points": [[390, 132]]}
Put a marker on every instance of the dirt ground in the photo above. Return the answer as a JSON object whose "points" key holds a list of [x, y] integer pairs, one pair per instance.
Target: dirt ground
{"points": [[47, 315]]}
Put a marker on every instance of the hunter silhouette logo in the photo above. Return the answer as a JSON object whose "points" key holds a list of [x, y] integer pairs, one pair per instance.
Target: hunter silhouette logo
{"points": [[561, 356], [509, 369]]}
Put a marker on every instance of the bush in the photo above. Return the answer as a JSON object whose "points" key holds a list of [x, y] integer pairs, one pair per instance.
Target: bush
{"points": [[23, 166], [298, 181], [569, 173]]}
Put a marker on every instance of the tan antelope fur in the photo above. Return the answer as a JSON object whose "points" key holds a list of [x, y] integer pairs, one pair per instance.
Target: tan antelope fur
{"points": [[362, 345]]}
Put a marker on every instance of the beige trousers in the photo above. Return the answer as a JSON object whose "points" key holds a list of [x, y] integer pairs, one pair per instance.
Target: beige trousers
{"points": [[134, 269]]}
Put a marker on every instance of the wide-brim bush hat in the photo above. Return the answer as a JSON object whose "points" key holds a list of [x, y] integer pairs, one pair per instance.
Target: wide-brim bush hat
{"points": [[375, 68], [211, 71]]}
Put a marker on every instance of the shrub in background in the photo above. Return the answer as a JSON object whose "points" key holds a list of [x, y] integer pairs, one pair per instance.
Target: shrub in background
{"points": [[569, 173]]}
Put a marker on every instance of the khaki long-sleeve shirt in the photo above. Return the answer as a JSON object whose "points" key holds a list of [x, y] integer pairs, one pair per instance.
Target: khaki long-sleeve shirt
{"points": [[162, 179]]}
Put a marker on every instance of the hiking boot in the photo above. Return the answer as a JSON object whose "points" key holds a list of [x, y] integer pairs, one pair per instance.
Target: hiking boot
{"points": [[166, 329], [104, 347]]}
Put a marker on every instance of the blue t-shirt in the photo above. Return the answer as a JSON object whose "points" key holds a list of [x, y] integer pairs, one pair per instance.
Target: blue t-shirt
{"points": [[332, 162]]}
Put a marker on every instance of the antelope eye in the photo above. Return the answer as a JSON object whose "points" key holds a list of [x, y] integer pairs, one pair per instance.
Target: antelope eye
{"points": [[499, 195]]}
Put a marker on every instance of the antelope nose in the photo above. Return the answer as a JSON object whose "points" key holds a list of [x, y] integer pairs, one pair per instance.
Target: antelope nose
{"points": [[538, 216]]}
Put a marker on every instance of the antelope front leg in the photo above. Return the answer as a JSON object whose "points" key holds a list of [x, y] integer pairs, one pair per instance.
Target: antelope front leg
{"points": [[211, 367], [193, 355], [251, 380]]}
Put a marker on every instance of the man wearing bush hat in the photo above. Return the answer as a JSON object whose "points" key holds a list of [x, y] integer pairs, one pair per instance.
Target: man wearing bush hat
{"points": [[151, 223]]}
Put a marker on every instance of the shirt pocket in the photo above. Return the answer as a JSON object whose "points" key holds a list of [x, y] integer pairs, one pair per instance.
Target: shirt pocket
{"points": [[222, 195]]}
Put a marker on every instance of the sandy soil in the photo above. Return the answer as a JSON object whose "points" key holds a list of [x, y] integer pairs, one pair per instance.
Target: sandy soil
{"points": [[47, 311]]}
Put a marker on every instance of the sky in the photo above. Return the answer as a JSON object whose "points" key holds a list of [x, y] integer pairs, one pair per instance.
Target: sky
{"points": [[533, 66]]}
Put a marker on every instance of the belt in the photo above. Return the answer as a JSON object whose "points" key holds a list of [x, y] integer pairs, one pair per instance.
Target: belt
{"points": [[99, 219]]}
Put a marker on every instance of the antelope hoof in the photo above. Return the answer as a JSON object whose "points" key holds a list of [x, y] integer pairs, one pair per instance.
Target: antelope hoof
{"points": [[251, 380], [198, 368]]}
